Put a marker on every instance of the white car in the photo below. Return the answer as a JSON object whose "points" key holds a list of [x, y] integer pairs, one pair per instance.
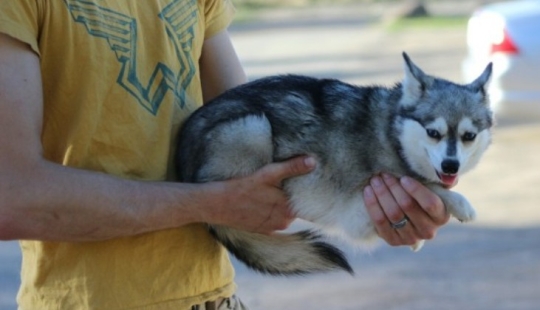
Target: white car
{"points": [[508, 34]]}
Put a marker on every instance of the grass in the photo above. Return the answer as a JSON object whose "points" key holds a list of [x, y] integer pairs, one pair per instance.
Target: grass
{"points": [[248, 10], [428, 22]]}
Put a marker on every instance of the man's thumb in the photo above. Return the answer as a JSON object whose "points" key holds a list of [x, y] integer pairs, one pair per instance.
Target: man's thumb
{"points": [[277, 172]]}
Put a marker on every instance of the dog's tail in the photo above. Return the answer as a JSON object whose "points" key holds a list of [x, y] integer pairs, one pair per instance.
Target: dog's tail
{"points": [[282, 254]]}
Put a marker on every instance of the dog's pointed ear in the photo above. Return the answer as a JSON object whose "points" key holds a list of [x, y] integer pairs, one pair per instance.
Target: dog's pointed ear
{"points": [[415, 82], [480, 84]]}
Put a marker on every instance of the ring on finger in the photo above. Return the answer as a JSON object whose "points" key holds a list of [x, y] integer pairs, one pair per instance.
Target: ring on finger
{"points": [[401, 223]]}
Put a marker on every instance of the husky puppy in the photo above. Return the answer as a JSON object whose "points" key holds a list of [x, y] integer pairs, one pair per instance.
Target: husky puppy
{"points": [[425, 127]]}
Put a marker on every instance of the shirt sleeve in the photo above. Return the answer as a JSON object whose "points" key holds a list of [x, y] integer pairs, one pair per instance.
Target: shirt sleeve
{"points": [[20, 20], [218, 15]]}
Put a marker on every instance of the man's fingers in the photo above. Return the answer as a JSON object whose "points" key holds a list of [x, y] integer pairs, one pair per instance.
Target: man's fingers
{"points": [[426, 199], [277, 172], [388, 201]]}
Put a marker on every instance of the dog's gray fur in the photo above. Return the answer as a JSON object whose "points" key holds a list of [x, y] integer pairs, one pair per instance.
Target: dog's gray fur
{"points": [[425, 127]]}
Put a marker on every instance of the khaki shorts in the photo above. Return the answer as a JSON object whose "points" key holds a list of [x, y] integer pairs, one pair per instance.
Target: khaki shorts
{"points": [[231, 303]]}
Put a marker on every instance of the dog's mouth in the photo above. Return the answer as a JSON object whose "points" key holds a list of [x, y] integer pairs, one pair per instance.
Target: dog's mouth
{"points": [[447, 180]]}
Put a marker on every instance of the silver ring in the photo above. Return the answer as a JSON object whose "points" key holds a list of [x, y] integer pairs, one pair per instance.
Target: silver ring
{"points": [[401, 223]]}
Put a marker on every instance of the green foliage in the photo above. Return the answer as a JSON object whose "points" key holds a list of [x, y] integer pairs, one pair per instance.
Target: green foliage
{"points": [[257, 4], [427, 22]]}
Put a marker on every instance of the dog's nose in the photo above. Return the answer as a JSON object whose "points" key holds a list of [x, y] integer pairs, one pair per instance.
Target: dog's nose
{"points": [[450, 166]]}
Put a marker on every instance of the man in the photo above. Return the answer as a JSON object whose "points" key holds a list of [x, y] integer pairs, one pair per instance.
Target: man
{"points": [[92, 94]]}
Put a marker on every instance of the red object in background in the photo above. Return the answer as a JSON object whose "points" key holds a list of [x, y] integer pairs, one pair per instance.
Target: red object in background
{"points": [[506, 45]]}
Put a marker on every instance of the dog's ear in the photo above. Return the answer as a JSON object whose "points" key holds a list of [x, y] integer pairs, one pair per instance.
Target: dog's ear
{"points": [[480, 84], [415, 82]]}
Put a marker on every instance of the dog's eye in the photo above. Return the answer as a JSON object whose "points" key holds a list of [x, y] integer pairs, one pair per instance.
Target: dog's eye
{"points": [[468, 136], [432, 133]]}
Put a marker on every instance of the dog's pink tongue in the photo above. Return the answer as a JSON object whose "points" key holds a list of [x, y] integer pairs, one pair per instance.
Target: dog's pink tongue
{"points": [[449, 179]]}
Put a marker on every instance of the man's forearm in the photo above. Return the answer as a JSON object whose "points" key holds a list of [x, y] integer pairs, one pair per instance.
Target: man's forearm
{"points": [[52, 202]]}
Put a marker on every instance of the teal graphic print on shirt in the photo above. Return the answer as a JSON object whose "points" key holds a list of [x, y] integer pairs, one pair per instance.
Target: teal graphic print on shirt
{"points": [[120, 32]]}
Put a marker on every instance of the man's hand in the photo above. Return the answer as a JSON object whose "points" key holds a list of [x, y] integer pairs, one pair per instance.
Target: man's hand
{"points": [[257, 202], [389, 200]]}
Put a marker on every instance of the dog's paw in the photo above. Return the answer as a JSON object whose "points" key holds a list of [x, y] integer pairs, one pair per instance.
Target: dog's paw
{"points": [[457, 205], [417, 246], [466, 216], [461, 209]]}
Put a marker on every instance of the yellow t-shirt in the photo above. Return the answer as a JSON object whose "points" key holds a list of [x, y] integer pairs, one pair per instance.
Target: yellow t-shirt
{"points": [[119, 77]]}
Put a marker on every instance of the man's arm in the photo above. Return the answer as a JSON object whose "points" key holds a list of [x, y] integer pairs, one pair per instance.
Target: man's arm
{"points": [[43, 200], [220, 66]]}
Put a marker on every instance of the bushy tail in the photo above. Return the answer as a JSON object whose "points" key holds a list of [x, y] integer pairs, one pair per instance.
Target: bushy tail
{"points": [[282, 254]]}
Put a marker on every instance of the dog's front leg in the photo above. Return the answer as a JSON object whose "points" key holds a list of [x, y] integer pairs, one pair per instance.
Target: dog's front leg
{"points": [[456, 204]]}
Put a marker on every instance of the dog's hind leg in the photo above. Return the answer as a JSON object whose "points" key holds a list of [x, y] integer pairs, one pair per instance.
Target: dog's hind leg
{"points": [[237, 148]]}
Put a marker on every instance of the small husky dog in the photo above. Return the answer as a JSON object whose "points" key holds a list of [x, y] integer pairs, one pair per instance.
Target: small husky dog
{"points": [[425, 127]]}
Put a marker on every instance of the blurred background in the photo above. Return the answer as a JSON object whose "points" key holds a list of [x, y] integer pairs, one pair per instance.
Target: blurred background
{"points": [[493, 263]]}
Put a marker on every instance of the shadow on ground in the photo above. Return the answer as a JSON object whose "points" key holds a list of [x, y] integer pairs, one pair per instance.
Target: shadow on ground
{"points": [[465, 267]]}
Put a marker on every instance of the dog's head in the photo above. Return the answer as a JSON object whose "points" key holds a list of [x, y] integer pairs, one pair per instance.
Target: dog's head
{"points": [[444, 128]]}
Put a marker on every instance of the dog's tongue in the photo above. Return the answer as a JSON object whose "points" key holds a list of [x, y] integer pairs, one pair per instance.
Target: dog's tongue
{"points": [[449, 179]]}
